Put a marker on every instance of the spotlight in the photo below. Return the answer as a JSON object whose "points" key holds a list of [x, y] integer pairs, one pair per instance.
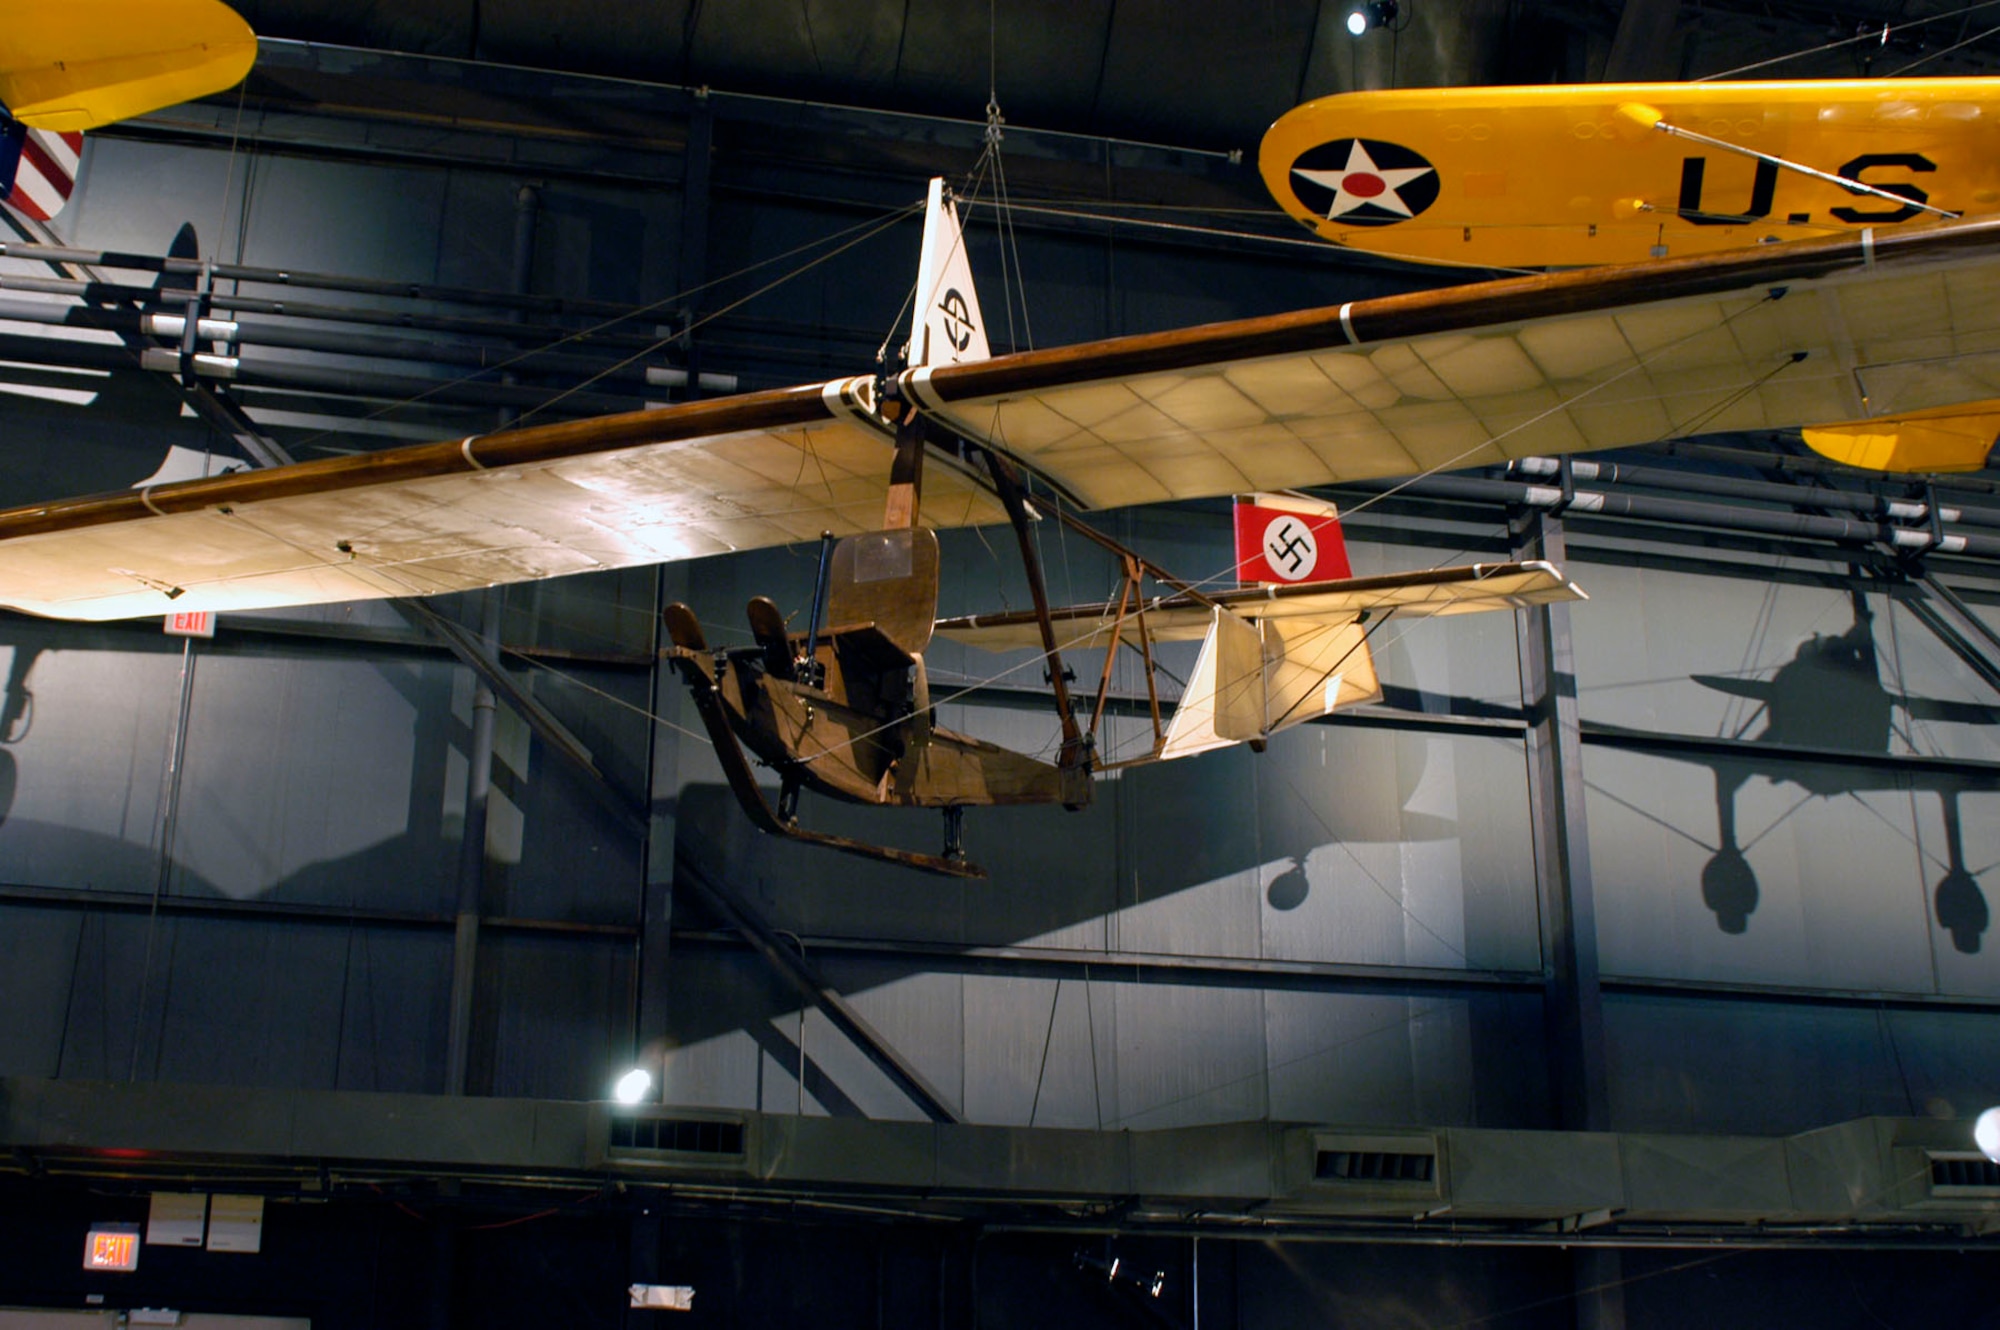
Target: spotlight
{"points": [[633, 1086], [1373, 14], [1986, 1134]]}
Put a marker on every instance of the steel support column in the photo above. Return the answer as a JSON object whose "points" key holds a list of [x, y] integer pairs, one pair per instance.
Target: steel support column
{"points": [[472, 860], [1572, 1004]]}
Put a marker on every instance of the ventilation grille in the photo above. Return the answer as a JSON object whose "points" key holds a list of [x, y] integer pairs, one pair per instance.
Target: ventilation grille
{"points": [[680, 1136], [1374, 1166], [1964, 1175]]}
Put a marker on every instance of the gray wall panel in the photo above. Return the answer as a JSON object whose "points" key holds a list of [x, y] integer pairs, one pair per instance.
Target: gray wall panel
{"points": [[1685, 1064], [134, 196], [248, 1002], [1362, 1059], [555, 1016], [1835, 891], [315, 779], [1185, 1055], [1400, 844], [41, 948], [396, 991], [1019, 1071]]}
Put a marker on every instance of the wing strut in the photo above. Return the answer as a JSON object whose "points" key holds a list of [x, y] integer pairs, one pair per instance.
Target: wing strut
{"points": [[1076, 749], [1649, 118]]}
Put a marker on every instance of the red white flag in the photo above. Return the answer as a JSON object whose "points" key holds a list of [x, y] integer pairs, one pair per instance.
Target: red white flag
{"points": [[47, 174], [1285, 538]]}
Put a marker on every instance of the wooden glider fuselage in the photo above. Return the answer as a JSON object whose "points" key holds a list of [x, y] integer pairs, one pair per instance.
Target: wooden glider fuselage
{"points": [[1543, 177], [846, 710]]}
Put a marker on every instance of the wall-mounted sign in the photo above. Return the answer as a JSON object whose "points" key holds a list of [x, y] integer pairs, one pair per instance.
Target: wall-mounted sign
{"points": [[112, 1247]]}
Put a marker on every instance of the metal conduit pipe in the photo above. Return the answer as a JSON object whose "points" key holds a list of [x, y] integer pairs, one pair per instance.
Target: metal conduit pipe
{"points": [[98, 294], [1764, 460], [252, 373], [1726, 517], [291, 336], [1913, 507], [1759, 491], [455, 295]]}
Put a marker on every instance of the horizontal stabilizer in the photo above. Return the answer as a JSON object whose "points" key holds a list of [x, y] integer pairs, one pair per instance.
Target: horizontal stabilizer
{"points": [[1433, 591], [1952, 438], [79, 64]]}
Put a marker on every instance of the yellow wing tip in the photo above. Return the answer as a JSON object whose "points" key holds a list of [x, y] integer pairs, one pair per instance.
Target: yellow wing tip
{"points": [[1956, 438]]}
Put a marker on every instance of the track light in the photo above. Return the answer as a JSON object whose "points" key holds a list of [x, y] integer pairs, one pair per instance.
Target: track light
{"points": [[1372, 14], [1986, 1134], [633, 1086]]}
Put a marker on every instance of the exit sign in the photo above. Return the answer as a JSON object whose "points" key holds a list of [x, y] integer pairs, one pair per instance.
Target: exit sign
{"points": [[113, 1247], [193, 623]]}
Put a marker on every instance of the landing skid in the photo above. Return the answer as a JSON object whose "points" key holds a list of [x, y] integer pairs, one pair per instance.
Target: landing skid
{"points": [[690, 658]]}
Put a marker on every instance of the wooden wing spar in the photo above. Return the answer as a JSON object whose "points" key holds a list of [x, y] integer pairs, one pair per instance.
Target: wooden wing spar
{"points": [[708, 477], [1824, 331]]}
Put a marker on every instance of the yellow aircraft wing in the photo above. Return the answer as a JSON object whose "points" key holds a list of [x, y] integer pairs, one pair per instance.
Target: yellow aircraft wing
{"points": [[1949, 438], [1839, 329], [72, 65], [1617, 173]]}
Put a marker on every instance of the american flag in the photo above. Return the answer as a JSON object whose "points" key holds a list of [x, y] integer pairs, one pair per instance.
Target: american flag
{"points": [[47, 173]]}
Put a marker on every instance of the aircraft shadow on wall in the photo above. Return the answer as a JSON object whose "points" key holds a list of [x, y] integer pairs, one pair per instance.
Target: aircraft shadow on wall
{"points": [[1829, 700]]}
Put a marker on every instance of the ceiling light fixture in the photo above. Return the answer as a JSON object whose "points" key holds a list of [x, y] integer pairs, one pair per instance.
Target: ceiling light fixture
{"points": [[1372, 14], [1986, 1134], [633, 1086]]}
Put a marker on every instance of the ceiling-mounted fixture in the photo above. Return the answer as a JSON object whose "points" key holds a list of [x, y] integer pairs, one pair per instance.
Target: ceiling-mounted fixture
{"points": [[1372, 14]]}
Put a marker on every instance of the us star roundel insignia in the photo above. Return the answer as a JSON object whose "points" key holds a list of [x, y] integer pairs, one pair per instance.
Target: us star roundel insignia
{"points": [[1364, 182]]}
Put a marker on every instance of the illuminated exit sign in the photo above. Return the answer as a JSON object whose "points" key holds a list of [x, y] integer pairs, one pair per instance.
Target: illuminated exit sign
{"points": [[112, 1247], [194, 623]]}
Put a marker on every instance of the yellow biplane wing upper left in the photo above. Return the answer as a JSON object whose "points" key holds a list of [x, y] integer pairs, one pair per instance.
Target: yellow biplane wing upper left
{"points": [[72, 65]]}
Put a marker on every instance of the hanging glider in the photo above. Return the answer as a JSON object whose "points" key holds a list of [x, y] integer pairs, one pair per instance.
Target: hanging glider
{"points": [[1836, 329], [1885, 322], [67, 66]]}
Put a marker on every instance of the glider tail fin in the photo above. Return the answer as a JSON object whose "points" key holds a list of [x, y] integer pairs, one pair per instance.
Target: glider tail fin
{"points": [[1288, 538], [947, 328], [1254, 678]]}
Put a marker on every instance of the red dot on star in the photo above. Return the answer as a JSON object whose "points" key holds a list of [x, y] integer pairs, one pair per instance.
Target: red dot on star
{"points": [[1363, 185]]}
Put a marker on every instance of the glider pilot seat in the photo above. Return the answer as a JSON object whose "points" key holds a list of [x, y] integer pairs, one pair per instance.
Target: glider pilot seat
{"points": [[846, 709]]}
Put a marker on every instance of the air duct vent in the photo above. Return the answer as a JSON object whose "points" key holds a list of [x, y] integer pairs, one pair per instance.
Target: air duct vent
{"points": [[1375, 1166], [675, 1139], [1370, 1169], [1965, 1175]]}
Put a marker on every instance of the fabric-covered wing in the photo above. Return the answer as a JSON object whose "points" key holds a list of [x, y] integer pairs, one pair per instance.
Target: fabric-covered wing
{"points": [[1816, 330], [700, 478], [1426, 593], [71, 66]]}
